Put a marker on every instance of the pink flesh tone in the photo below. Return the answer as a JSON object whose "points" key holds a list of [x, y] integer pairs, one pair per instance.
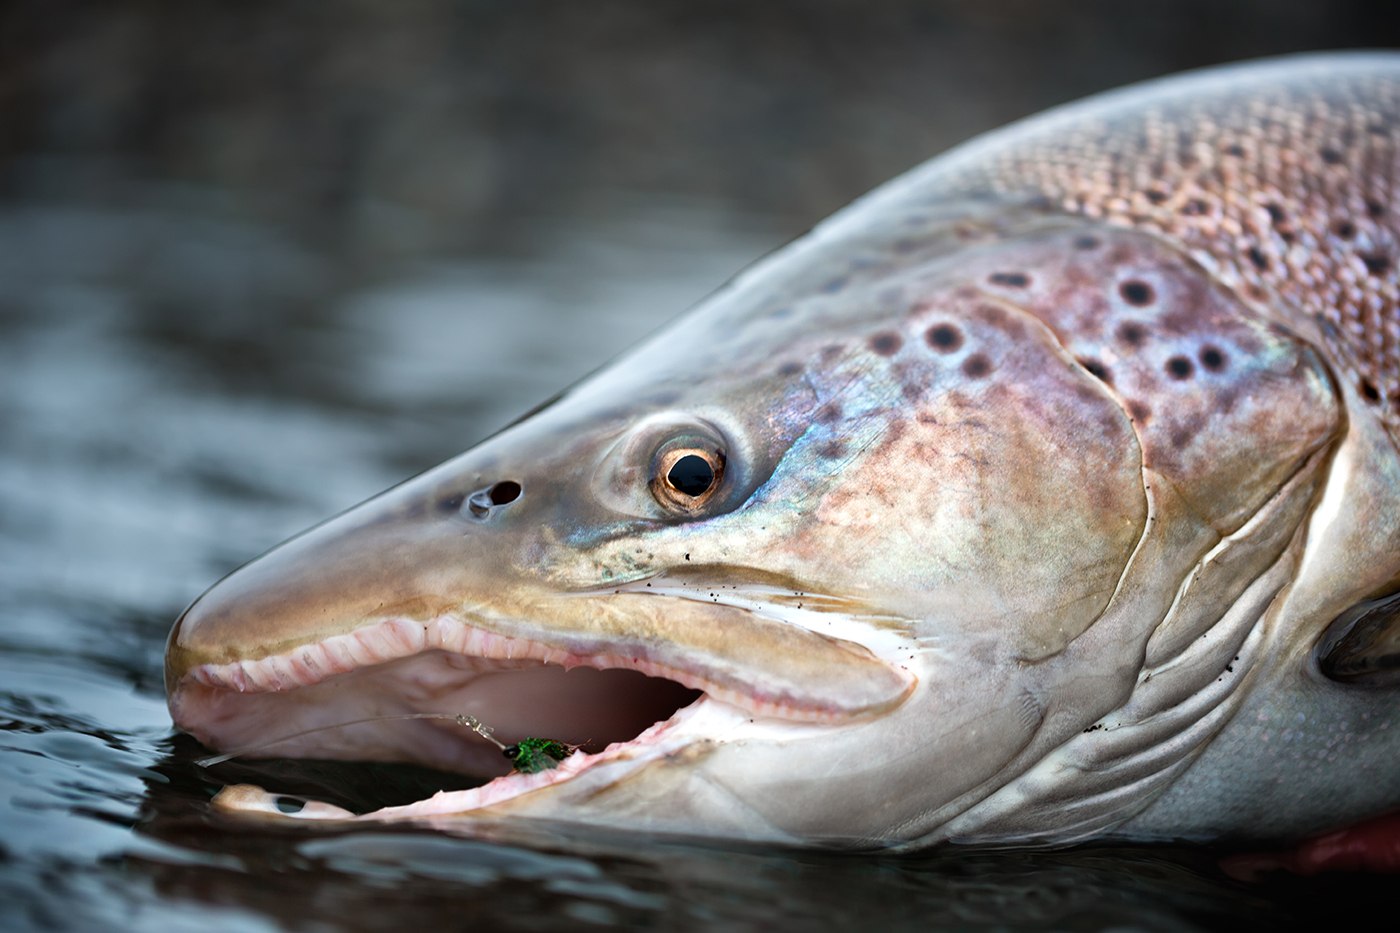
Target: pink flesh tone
{"points": [[392, 639], [656, 742], [1371, 845]]}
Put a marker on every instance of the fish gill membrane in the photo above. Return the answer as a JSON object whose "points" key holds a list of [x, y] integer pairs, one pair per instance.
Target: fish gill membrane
{"points": [[1009, 506]]}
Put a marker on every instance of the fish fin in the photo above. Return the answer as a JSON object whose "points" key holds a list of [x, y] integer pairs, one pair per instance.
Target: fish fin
{"points": [[1362, 646], [1372, 846]]}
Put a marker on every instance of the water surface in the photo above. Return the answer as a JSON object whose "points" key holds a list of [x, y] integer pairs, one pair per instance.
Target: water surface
{"points": [[146, 450]]}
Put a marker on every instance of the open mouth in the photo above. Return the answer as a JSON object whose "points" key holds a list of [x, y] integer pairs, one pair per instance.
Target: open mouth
{"points": [[616, 709]]}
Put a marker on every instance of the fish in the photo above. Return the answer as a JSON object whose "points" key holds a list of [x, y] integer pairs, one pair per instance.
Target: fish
{"points": [[1048, 493]]}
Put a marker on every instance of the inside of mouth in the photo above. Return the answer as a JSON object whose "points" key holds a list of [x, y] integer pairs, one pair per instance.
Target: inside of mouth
{"points": [[587, 707]]}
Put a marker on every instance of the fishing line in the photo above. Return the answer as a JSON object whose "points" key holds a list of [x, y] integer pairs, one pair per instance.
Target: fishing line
{"points": [[471, 722]]}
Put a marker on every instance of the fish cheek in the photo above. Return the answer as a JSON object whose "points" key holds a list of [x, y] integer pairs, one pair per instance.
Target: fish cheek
{"points": [[1227, 405], [1009, 501]]}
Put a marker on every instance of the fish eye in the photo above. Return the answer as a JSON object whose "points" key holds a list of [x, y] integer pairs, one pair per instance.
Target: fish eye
{"points": [[672, 466], [687, 475]]}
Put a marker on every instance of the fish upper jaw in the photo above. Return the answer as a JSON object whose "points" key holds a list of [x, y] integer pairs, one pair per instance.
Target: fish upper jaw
{"points": [[791, 673], [445, 664]]}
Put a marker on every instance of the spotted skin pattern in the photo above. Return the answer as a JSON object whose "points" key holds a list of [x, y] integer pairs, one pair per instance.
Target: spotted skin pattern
{"points": [[1048, 467], [1280, 179]]}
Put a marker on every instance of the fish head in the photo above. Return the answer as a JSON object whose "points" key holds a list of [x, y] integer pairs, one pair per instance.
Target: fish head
{"points": [[832, 558]]}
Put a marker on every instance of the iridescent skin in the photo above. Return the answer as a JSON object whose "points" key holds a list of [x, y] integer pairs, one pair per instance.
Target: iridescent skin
{"points": [[1037, 501]]}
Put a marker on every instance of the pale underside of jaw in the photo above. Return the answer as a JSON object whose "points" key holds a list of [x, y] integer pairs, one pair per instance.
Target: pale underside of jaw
{"points": [[399, 667], [704, 720]]}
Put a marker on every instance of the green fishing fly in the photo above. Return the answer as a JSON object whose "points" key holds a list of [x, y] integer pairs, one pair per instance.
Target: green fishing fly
{"points": [[529, 755]]}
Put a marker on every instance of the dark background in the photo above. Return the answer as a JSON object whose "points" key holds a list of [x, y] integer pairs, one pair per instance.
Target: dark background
{"points": [[385, 129], [259, 260]]}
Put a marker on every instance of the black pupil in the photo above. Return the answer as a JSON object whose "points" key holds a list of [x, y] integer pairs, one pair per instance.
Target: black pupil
{"points": [[692, 475]]}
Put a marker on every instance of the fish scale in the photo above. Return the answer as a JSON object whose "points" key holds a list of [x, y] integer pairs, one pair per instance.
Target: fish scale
{"points": [[1049, 493], [1279, 177]]}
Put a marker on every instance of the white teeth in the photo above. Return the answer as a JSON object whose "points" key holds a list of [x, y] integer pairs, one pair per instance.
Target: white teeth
{"points": [[397, 638], [338, 654]]}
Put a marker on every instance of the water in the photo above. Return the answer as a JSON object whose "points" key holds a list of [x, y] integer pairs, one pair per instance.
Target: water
{"points": [[258, 263], [145, 451]]}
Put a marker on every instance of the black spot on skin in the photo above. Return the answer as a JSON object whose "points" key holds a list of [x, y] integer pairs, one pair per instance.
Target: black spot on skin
{"points": [[1137, 292], [945, 338], [912, 391], [1010, 279], [1132, 333], [829, 413], [1195, 208], [1375, 208], [1378, 264], [1157, 196], [1331, 156], [832, 450], [1280, 221], [1344, 229], [789, 369], [1086, 242], [1096, 369], [1256, 256], [1369, 391], [976, 366], [1180, 367], [1140, 412], [1236, 150], [886, 343], [1213, 359]]}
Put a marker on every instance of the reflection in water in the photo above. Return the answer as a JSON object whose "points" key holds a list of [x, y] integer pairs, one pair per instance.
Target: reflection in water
{"points": [[144, 453], [184, 383]]}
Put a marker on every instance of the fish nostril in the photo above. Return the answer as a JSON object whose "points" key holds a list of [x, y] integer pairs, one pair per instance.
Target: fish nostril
{"points": [[481, 502], [505, 492]]}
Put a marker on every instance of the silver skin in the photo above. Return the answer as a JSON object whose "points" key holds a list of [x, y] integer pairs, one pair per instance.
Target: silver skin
{"points": [[1027, 531]]}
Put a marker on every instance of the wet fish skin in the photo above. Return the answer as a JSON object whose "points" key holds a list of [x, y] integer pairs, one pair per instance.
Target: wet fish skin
{"points": [[1048, 465]]}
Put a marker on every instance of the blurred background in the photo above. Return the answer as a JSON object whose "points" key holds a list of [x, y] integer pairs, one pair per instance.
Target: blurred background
{"points": [[259, 260]]}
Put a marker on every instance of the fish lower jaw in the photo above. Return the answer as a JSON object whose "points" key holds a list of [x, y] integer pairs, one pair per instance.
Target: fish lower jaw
{"points": [[540, 794], [471, 646]]}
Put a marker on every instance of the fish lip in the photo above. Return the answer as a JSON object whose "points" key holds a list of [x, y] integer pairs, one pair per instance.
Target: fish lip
{"points": [[650, 745], [395, 638]]}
